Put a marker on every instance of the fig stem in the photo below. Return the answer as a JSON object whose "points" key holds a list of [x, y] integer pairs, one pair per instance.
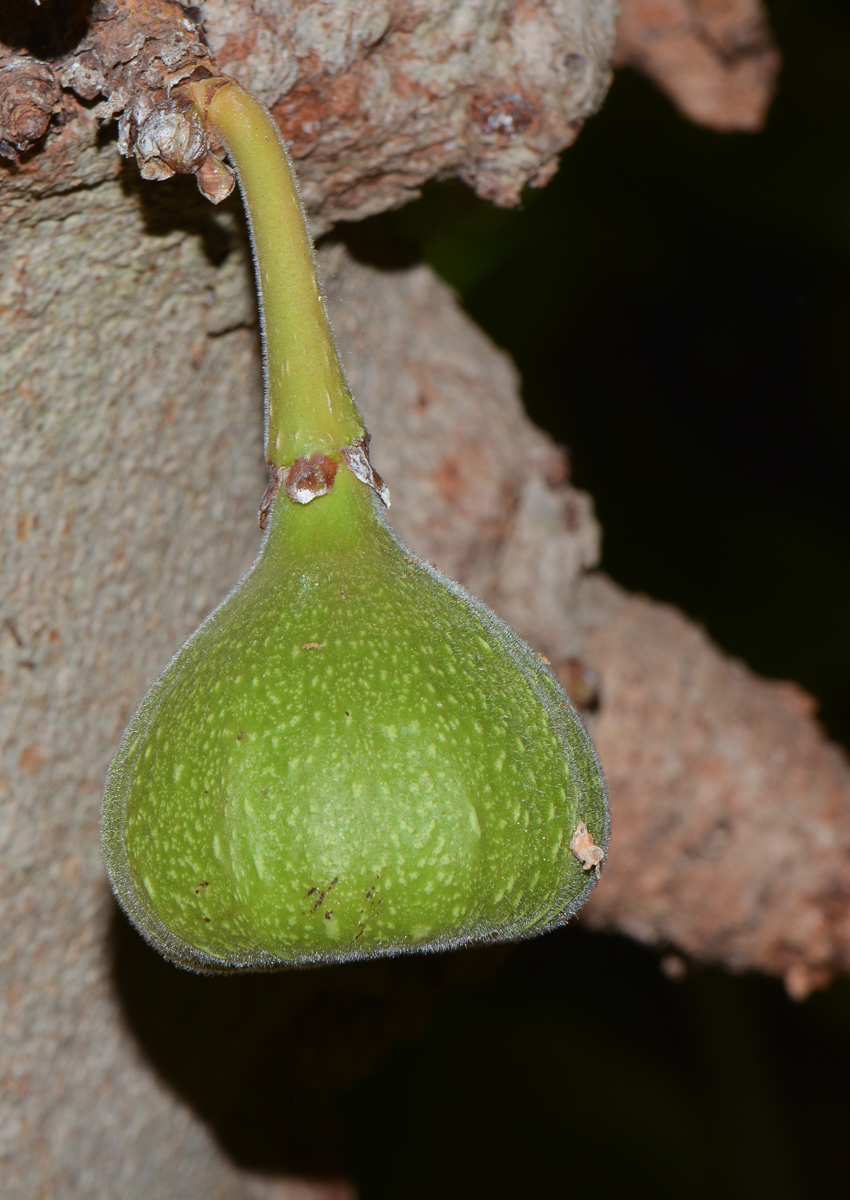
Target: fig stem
{"points": [[309, 407]]}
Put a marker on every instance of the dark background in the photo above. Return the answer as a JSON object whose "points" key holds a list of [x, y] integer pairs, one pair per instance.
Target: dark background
{"points": [[678, 302]]}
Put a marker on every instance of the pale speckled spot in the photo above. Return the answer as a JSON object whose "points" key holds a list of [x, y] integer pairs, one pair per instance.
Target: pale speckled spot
{"points": [[474, 822], [177, 772], [217, 846], [331, 927]]}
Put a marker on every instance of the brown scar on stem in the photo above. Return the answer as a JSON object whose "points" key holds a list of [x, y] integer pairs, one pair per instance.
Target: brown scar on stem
{"points": [[310, 477], [585, 849]]}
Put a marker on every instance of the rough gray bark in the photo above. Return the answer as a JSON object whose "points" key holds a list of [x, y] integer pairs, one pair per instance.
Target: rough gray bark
{"points": [[132, 466]]}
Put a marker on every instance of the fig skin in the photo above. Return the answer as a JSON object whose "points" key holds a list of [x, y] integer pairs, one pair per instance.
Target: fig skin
{"points": [[351, 756]]}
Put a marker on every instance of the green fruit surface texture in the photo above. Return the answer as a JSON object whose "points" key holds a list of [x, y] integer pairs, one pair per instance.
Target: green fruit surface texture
{"points": [[351, 756]]}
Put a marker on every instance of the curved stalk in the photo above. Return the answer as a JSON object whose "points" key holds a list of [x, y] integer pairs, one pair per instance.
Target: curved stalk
{"points": [[309, 408]]}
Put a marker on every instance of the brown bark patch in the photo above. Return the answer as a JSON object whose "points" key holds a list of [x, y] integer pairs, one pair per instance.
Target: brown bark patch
{"points": [[716, 59]]}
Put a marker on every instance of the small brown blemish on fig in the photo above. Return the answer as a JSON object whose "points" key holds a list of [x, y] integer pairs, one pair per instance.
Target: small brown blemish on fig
{"points": [[328, 915], [240, 735], [205, 883], [313, 646], [585, 849]]}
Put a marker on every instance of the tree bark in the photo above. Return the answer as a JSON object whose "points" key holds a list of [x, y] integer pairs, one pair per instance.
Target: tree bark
{"points": [[132, 468]]}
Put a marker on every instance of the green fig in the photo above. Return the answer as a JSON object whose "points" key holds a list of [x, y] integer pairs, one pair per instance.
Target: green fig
{"points": [[352, 755]]}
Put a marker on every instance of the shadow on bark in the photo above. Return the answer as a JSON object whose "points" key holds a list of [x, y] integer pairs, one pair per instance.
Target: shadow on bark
{"points": [[176, 205], [262, 1059]]}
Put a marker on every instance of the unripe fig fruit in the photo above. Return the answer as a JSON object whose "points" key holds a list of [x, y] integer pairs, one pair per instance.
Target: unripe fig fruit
{"points": [[351, 756]]}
